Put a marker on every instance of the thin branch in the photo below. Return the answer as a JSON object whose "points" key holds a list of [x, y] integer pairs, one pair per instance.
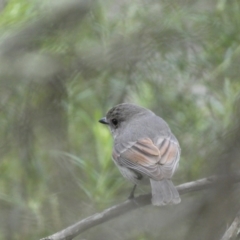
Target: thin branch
{"points": [[234, 229], [129, 205]]}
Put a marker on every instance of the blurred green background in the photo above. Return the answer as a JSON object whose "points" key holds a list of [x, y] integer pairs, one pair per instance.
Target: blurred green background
{"points": [[63, 64]]}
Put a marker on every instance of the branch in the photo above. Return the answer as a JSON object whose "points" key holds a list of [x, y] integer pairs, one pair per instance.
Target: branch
{"points": [[234, 229], [67, 14], [19, 50], [3, 4], [129, 205]]}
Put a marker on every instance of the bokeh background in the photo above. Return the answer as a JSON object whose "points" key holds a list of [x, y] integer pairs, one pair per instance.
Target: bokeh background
{"points": [[63, 64]]}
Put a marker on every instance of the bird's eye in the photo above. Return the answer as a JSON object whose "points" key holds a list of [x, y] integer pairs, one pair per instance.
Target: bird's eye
{"points": [[114, 121]]}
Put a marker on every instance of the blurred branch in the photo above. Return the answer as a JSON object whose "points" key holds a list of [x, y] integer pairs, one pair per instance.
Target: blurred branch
{"points": [[65, 15], [234, 229], [3, 4], [140, 201]]}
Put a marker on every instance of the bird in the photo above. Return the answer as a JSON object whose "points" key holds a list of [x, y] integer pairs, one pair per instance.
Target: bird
{"points": [[144, 150]]}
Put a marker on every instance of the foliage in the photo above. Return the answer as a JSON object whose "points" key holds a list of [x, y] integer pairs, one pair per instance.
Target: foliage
{"points": [[178, 58]]}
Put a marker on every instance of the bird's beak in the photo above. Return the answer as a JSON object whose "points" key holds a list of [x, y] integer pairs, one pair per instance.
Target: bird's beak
{"points": [[103, 120]]}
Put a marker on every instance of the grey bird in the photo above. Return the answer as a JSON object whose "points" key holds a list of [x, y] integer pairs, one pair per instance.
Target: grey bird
{"points": [[144, 148]]}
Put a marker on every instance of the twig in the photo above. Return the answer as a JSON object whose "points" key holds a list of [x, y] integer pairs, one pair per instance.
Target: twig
{"points": [[129, 205], [234, 229]]}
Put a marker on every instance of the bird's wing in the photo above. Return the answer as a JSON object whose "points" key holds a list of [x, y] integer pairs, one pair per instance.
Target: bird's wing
{"points": [[157, 161]]}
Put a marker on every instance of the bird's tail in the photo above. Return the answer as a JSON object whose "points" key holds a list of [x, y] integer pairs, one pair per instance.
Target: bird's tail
{"points": [[164, 192]]}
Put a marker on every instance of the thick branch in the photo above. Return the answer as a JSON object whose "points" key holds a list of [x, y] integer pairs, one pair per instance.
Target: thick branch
{"points": [[233, 230], [129, 205]]}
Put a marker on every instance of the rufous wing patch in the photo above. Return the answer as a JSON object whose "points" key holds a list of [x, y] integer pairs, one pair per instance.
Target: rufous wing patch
{"points": [[169, 151], [155, 160], [143, 152], [114, 154], [146, 145]]}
